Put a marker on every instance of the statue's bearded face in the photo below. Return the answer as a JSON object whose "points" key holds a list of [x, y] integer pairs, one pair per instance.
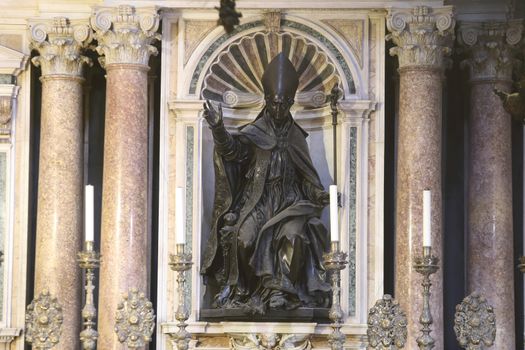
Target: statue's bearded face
{"points": [[278, 107]]}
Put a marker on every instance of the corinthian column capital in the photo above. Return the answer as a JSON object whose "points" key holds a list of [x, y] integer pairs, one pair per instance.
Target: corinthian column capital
{"points": [[125, 34], [489, 48], [423, 35], [60, 43]]}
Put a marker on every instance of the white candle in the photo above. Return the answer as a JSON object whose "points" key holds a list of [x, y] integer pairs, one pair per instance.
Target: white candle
{"points": [[334, 214], [180, 235], [89, 219], [427, 219]]}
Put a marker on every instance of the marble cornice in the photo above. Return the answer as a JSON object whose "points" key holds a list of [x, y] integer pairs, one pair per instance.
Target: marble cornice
{"points": [[7, 335], [60, 43], [125, 34], [491, 48], [423, 35]]}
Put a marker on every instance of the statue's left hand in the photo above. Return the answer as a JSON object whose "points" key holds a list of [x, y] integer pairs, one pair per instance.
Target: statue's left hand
{"points": [[323, 198]]}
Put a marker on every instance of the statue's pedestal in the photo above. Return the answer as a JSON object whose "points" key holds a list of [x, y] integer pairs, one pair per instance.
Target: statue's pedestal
{"points": [[318, 315]]}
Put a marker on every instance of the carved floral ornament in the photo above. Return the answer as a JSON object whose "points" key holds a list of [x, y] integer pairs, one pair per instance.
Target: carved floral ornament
{"points": [[125, 34], [43, 321], [387, 324], [423, 35], [135, 320], [270, 341], [490, 48], [59, 44], [475, 323]]}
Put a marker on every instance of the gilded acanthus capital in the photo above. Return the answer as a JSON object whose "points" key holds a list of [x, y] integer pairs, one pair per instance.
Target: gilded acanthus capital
{"points": [[423, 35], [60, 43], [490, 49], [125, 34]]}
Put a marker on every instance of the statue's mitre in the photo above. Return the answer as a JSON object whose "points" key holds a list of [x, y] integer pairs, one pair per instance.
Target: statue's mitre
{"points": [[280, 77]]}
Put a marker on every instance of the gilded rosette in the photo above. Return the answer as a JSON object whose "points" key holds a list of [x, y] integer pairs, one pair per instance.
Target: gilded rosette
{"points": [[135, 320], [475, 323], [44, 321], [387, 324]]}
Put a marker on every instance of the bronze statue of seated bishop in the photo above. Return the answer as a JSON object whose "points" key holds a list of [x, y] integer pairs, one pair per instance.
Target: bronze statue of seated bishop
{"points": [[266, 244]]}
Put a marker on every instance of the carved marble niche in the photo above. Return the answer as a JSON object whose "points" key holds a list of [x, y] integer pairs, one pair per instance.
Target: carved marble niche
{"points": [[234, 80], [207, 64]]}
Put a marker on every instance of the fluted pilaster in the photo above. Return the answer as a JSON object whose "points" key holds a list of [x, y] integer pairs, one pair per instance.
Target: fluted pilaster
{"points": [[490, 50], [124, 38], [423, 37], [60, 182]]}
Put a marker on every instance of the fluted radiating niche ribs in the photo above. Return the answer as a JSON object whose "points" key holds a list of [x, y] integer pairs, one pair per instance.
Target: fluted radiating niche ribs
{"points": [[234, 79]]}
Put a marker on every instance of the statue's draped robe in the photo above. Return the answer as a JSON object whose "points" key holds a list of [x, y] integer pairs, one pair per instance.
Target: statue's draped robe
{"points": [[266, 177]]}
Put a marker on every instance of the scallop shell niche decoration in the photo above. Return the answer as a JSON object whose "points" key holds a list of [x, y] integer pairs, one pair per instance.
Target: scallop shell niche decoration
{"points": [[234, 79]]}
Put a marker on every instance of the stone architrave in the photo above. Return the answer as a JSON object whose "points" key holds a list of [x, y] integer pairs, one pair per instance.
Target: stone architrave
{"points": [[60, 179], [490, 267], [124, 36], [423, 37]]}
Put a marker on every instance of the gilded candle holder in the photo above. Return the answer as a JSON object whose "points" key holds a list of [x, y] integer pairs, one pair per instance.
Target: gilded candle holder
{"points": [[89, 260], [426, 265], [181, 262], [335, 261]]}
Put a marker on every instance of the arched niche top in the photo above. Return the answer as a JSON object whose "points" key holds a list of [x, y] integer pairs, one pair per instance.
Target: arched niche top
{"points": [[235, 77], [224, 47]]}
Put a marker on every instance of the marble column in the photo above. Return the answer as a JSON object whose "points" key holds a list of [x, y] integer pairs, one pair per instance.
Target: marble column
{"points": [[60, 180], [490, 263], [423, 36], [124, 37]]}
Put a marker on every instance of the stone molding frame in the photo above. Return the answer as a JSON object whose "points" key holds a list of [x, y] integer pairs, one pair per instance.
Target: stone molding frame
{"points": [[7, 335], [326, 38], [12, 66]]}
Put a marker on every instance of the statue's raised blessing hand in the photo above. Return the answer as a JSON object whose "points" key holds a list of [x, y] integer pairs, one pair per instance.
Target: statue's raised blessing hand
{"points": [[212, 116]]}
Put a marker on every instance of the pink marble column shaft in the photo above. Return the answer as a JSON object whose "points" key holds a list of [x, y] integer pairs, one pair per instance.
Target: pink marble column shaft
{"points": [[418, 168], [125, 243], [490, 263], [61, 162], [423, 37], [59, 215], [490, 266]]}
